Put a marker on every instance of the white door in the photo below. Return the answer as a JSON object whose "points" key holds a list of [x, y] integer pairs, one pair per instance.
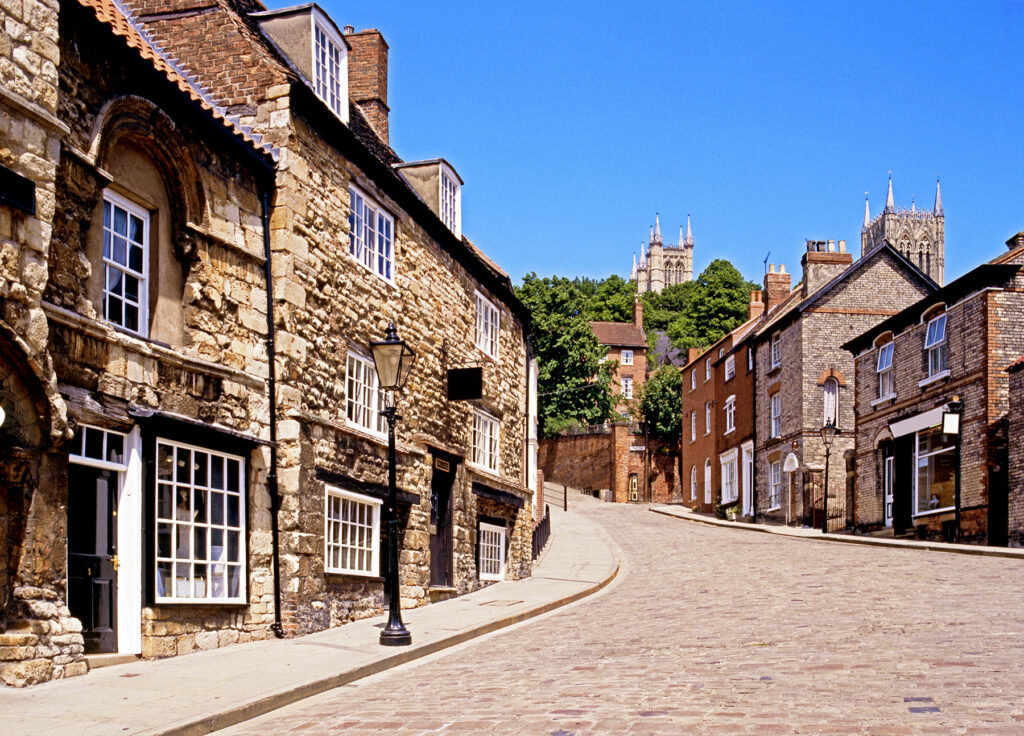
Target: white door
{"points": [[887, 485], [708, 498], [748, 476]]}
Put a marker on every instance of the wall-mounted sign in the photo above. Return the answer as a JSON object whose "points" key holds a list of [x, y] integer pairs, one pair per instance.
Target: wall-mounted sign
{"points": [[637, 448], [442, 465], [465, 383]]}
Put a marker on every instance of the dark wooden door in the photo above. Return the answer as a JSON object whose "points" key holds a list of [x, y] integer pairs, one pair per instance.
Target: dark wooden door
{"points": [[441, 524], [92, 555]]}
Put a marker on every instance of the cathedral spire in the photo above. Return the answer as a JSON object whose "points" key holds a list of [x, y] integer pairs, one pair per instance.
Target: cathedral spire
{"points": [[938, 198], [632, 274], [890, 204], [689, 233], [867, 211], [657, 228], [680, 236]]}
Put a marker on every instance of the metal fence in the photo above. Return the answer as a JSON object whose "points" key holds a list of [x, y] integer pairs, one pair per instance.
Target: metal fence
{"points": [[542, 532]]}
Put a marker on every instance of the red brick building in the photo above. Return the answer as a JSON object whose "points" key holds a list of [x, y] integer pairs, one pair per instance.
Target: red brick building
{"points": [[955, 344], [627, 345], [1015, 422]]}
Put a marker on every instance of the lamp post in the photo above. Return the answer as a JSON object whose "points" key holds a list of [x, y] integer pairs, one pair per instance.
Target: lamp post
{"points": [[951, 426], [828, 435], [393, 361]]}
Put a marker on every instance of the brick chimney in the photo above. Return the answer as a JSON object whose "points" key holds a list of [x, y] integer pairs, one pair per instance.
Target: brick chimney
{"points": [[368, 77], [638, 313], [1017, 241], [776, 287], [692, 354], [756, 306], [822, 262]]}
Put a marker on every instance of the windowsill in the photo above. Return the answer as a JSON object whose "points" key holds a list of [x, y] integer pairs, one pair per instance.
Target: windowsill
{"points": [[934, 512], [364, 432], [728, 431], [193, 602], [774, 508], [390, 282], [361, 576], [487, 354], [481, 470], [729, 378], [774, 368], [883, 399], [933, 379], [491, 579]]}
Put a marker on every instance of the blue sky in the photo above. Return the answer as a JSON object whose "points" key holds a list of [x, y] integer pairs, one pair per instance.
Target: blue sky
{"points": [[572, 123]]}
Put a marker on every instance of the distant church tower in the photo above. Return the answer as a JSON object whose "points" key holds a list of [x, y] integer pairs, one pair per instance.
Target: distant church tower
{"points": [[664, 265], [920, 235]]}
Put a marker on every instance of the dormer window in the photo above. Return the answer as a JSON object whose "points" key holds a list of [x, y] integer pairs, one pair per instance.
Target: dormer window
{"points": [[450, 196], [440, 187], [329, 68]]}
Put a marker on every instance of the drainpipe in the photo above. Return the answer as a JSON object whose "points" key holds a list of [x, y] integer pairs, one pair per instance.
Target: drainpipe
{"points": [[275, 496], [753, 438]]}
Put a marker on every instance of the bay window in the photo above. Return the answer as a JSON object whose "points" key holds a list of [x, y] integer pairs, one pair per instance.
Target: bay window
{"points": [[935, 481]]}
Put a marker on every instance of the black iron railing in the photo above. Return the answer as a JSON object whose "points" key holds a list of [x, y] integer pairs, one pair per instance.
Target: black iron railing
{"points": [[542, 532]]}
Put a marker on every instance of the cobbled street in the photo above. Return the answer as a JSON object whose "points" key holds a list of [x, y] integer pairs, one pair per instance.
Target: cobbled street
{"points": [[712, 630]]}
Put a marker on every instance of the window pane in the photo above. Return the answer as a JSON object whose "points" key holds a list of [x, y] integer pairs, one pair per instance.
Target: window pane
{"points": [[164, 462], [216, 508], [183, 550], [199, 469], [163, 540], [233, 475], [217, 544], [217, 472], [232, 510], [184, 464], [181, 580]]}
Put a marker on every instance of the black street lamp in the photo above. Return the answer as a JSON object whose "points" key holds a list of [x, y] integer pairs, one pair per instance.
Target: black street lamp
{"points": [[828, 436], [951, 419], [393, 360]]}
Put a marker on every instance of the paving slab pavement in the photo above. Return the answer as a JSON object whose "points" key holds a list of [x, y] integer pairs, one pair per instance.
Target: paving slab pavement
{"points": [[206, 691], [803, 532]]}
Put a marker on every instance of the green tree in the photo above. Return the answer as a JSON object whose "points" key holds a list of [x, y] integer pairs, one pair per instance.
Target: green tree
{"points": [[661, 403], [717, 304], [573, 385], [612, 300]]}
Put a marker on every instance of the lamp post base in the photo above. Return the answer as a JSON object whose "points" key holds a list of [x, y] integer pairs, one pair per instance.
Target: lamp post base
{"points": [[395, 637]]}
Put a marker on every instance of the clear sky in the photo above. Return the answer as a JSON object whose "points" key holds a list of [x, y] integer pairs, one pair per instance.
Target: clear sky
{"points": [[572, 123]]}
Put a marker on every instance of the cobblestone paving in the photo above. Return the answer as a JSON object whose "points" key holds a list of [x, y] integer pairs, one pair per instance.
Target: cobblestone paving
{"points": [[716, 630]]}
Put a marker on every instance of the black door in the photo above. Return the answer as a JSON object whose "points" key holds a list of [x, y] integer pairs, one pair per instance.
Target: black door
{"points": [[441, 524], [903, 484], [92, 555]]}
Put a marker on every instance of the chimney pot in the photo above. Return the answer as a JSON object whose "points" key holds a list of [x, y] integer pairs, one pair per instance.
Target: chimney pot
{"points": [[782, 268], [842, 246], [771, 268], [831, 246], [349, 30]]}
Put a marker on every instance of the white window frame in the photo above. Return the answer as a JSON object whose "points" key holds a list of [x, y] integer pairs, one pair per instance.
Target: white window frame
{"points": [[492, 540], [775, 485], [709, 496], [115, 272], [776, 350], [330, 65], [450, 199], [730, 476], [730, 414], [830, 402], [627, 387], [883, 367], [747, 474], [918, 457], [775, 404], [935, 345], [351, 530], [750, 359], [693, 482], [707, 370], [693, 380], [485, 441], [371, 235], [178, 523], [693, 426], [730, 367], [488, 326], [626, 357], [707, 417], [108, 459], [364, 402]]}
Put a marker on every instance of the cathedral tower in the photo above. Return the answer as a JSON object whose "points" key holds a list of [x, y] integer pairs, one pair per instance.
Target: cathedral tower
{"points": [[664, 265], [920, 235]]}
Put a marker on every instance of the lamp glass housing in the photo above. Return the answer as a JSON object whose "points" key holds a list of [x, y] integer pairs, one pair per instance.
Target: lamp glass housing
{"points": [[951, 422], [828, 434], [393, 360]]}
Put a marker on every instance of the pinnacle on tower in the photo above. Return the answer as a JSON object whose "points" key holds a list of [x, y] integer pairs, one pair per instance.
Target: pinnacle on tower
{"points": [[890, 203], [689, 233], [680, 236], [657, 228], [938, 198], [867, 211]]}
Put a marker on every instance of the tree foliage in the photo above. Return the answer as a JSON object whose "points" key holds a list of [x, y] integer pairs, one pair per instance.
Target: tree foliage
{"points": [[573, 386], [713, 305], [661, 404]]}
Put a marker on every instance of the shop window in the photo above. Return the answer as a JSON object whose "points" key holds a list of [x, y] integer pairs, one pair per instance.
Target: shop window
{"points": [[492, 552], [936, 471], [352, 533]]}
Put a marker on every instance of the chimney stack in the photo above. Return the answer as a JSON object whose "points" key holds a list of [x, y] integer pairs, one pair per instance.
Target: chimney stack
{"points": [[776, 287], [823, 262], [638, 313], [1017, 241], [368, 77], [756, 306]]}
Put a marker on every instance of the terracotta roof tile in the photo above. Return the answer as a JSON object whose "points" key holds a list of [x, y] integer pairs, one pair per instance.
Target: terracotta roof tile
{"points": [[619, 333], [120, 22]]}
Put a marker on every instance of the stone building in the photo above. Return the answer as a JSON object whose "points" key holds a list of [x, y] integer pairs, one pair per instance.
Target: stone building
{"points": [[361, 239], [664, 265], [919, 234], [804, 379], [136, 522], [956, 343], [627, 346]]}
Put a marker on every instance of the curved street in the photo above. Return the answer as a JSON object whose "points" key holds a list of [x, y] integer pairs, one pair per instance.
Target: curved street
{"points": [[712, 630]]}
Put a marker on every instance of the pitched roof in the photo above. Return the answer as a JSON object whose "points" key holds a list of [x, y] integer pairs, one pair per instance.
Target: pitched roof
{"points": [[121, 23], [793, 306], [619, 334]]}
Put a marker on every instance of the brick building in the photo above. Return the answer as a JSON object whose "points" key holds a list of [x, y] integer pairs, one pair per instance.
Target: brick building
{"points": [[804, 379], [627, 346], [956, 342], [698, 440], [187, 376], [1015, 434]]}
